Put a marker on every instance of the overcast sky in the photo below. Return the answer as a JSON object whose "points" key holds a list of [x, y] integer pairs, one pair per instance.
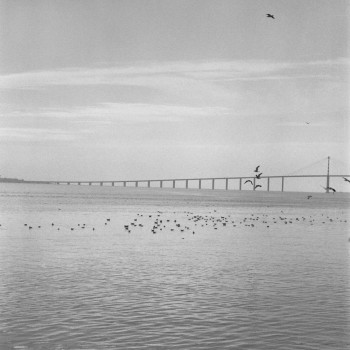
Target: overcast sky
{"points": [[128, 89]]}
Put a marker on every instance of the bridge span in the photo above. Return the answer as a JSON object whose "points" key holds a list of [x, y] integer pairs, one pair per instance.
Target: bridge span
{"points": [[160, 182]]}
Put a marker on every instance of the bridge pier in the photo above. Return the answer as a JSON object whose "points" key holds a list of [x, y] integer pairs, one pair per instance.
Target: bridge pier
{"points": [[213, 184], [149, 183], [112, 184], [79, 183], [254, 181], [173, 183], [200, 184], [161, 184], [240, 184], [124, 183], [226, 184], [186, 184], [136, 184], [268, 184], [282, 183], [101, 183]]}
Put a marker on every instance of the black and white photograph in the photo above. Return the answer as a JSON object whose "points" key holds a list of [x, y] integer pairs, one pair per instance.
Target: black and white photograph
{"points": [[174, 174]]}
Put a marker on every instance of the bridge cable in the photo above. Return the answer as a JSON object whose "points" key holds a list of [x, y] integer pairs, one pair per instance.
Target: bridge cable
{"points": [[320, 161]]}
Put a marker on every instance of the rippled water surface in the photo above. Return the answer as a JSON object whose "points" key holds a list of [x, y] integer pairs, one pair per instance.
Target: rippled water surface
{"points": [[250, 276]]}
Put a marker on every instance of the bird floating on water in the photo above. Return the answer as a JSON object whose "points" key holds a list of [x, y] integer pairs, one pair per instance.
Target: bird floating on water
{"points": [[270, 16]]}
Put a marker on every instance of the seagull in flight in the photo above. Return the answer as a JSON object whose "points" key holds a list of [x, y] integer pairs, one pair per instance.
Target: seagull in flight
{"points": [[270, 16], [258, 176], [248, 181], [257, 186], [347, 180], [257, 169], [332, 189]]}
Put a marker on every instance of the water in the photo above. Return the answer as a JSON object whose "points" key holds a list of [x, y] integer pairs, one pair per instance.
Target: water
{"points": [[225, 287]]}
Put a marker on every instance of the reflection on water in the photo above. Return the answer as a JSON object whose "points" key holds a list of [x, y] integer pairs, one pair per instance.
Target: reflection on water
{"points": [[243, 287]]}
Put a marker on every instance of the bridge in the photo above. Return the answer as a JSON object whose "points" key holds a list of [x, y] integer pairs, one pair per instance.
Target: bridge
{"points": [[227, 181], [136, 183]]}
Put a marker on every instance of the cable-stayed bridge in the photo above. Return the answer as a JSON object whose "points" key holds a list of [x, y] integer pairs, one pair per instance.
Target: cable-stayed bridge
{"points": [[323, 177]]}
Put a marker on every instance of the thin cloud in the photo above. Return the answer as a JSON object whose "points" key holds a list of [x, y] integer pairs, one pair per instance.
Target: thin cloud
{"points": [[277, 77], [144, 74], [35, 134], [122, 112]]}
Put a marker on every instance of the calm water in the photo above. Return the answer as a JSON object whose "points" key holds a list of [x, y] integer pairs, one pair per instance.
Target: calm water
{"points": [[98, 286]]}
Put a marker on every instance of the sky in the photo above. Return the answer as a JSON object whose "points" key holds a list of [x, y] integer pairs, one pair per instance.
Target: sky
{"points": [[151, 89]]}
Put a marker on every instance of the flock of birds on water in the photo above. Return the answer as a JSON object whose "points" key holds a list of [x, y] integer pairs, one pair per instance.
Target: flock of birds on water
{"points": [[187, 222], [216, 221]]}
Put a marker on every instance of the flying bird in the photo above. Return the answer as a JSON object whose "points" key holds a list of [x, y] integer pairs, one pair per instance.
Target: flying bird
{"points": [[308, 197], [347, 180], [257, 169], [307, 123], [270, 16], [248, 181], [332, 189], [258, 176], [257, 186]]}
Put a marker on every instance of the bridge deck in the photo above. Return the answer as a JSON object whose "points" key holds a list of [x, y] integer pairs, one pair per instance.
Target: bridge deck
{"points": [[187, 180]]}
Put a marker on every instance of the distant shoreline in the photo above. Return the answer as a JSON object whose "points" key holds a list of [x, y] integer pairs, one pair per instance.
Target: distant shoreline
{"points": [[10, 179]]}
